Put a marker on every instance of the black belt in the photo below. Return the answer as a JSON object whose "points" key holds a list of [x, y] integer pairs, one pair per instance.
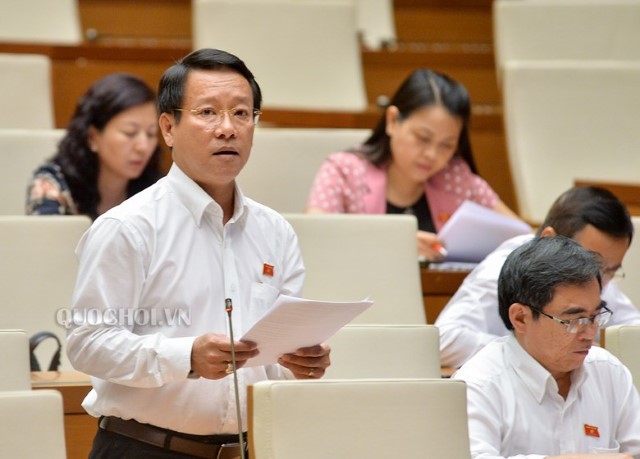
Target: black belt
{"points": [[210, 446]]}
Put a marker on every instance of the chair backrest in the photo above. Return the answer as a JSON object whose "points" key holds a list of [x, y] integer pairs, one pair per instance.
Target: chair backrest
{"points": [[401, 351], [349, 257], [38, 267], [26, 96], [304, 55], [284, 162], [567, 120], [566, 29], [40, 21], [372, 418], [630, 285], [32, 424], [376, 22], [21, 152], [623, 341], [14, 355]]}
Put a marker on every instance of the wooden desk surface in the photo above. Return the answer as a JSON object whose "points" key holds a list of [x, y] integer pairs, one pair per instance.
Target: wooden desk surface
{"points": [[58, 378], [74, 387]]}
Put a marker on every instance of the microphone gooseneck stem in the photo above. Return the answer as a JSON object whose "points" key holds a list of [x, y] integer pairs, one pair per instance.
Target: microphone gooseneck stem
{"points": [[229, 308]]}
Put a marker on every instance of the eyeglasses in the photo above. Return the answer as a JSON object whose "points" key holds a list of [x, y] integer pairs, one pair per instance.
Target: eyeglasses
{"points": [[213, 117], [613, 273], [579, 324]]}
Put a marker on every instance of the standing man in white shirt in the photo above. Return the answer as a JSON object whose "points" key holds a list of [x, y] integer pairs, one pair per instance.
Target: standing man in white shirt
{"points": [[155, 273], [543, 391], [593, 217]]}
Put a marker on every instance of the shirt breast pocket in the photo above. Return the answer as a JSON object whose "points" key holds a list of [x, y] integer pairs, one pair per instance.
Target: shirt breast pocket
{"points": [[602, 449], [263, 296]]}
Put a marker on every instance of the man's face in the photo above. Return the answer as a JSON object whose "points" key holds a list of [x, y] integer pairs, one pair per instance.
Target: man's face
{"points": [[211, 153], [549, 342], [611, 249]]}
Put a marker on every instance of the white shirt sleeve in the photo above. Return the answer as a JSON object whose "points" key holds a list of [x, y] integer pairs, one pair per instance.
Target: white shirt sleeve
{"points": [[471, 319], [111, 275]]}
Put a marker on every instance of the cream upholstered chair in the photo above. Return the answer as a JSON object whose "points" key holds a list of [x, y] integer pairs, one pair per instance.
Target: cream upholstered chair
{"points": [[38, 267], [376, 22], [568, 120], [26, 96], [372, 418], [14, 355], [349, 257], [623, 341], [566, 29], [630, 285], [40, 21], [285, 161], [21, 152], [304, 54], [31, 425], [385, 351]]}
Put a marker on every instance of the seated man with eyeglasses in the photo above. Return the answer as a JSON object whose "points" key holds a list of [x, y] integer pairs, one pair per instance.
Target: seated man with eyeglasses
{"points": [[543, 391], [593, 217]]}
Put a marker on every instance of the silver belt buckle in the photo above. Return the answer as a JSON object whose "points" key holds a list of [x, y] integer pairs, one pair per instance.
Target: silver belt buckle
{"points": [[229, 451]]}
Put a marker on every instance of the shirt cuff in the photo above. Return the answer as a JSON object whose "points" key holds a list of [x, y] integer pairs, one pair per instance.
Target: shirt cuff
{"points": [[174, 355]]}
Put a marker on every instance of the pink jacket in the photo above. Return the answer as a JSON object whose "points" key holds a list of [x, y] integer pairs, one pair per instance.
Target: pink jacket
{"points": [[348, 183]]}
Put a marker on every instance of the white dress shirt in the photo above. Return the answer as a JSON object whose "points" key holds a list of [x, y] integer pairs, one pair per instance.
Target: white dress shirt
{"points": [[163, 264], [515, 410], [471, 320]]}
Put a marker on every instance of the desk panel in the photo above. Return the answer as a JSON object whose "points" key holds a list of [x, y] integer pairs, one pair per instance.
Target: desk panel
{"points": [[437, 288], [139, 18], [628, 193], [385, 70]]}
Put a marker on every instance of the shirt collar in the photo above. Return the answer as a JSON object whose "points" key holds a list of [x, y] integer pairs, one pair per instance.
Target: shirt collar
{"points": [[197, 201], [535, 377]]}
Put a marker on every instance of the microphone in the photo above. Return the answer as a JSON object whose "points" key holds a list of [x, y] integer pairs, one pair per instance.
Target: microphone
{"points": [[228, 307]]}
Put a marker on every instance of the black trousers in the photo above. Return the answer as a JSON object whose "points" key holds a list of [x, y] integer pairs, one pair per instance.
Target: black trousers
{"points": [[109, 445]]}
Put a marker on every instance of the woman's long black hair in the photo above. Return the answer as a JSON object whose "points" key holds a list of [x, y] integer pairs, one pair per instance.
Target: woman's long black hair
{"points": [[421, 89], [105, 99]]}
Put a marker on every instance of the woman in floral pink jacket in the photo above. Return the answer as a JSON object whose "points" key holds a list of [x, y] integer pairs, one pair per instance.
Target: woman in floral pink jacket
{"points": [[418, 160]]}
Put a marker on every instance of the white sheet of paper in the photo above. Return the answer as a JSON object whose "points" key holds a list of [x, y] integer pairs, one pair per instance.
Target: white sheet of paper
{"points": [[293, 323], [474, 231]]}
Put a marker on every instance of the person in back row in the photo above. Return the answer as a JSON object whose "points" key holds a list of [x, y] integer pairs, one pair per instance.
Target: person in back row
{"points": [[593, 217], [109, 153], [418, 161], [544, 391]]}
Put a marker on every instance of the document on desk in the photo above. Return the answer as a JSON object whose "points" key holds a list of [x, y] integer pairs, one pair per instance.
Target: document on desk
{"points": [[293, 323], [474, 231]]}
